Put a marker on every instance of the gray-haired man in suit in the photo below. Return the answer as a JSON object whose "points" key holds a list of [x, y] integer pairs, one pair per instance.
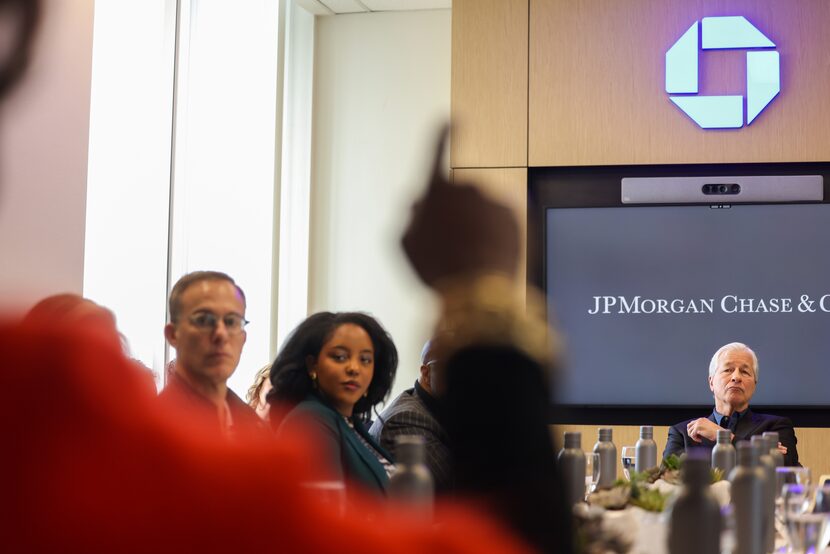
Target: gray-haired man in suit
{"points": [[417, 412], [733, 375]]}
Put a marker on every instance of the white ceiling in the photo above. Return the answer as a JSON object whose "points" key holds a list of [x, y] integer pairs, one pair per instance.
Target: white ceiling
{"points": [[333, 7]]}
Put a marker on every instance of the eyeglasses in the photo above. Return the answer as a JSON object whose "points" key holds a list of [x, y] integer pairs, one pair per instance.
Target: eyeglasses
{"points": [[208, 321]]}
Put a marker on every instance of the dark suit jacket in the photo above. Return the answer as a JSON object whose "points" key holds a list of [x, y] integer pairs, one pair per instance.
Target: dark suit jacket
{"points": [[409, 415], [345, 457], [748, 425]]}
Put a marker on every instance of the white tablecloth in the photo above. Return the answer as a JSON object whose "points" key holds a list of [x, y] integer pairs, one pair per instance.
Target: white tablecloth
{"points": [[648, 531]]}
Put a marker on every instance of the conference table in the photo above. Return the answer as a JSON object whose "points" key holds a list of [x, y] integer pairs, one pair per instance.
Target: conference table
{"points": [[647, 532]]}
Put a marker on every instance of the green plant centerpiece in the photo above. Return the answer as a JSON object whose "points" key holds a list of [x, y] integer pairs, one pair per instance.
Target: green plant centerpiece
{"points": [[636, 490]]}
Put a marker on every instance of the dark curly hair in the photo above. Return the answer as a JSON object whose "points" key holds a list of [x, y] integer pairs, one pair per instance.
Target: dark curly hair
{"points": [[289, 373]]}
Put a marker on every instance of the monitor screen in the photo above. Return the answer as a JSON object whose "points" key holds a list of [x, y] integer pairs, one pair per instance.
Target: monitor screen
{"points": [[643, 295]]}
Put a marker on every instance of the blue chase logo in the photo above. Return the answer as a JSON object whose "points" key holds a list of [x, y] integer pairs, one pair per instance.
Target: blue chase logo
{"points": [[763, 81]]}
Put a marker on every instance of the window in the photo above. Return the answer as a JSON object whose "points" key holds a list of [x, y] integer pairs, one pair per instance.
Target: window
{"points": [[183, 161]]}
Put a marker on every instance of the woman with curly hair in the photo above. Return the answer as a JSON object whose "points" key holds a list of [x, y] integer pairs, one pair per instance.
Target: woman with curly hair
{"points": [[329, 374]]}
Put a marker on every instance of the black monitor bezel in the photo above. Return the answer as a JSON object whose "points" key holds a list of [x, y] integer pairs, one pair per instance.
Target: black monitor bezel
{"points": [[599, 187]]}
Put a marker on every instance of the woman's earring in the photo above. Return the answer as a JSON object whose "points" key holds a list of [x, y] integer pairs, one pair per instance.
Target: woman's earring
{"points": [[365, 394], [313, 375]]}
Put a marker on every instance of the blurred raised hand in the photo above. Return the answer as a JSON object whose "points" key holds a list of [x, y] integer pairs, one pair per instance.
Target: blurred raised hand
{"points": [[456, 231]]}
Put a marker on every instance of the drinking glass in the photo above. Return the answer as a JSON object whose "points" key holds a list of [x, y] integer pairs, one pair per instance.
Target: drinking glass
{"points": [[797, 499], [821, 505], [591, 470], [727, 535], [807, 532], [806, 509], [791, 475], [629, 460]]}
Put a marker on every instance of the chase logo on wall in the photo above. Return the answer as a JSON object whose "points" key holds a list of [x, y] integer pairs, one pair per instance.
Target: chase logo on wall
{"points": [[763, 80]]}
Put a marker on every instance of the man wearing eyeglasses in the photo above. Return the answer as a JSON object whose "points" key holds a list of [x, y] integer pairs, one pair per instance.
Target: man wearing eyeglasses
{"points": [[207, 329]]}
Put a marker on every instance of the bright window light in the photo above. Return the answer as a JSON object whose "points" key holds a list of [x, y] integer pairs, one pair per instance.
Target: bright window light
{"points": [[296, 173], [182, 178], [224, 156], [125, 258]]}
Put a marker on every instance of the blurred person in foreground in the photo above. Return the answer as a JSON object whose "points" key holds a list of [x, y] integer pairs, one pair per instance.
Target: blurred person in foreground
{"points": [[733, 376], [498, 363], [76, 311], [331, 371], [72, 309], [100, 466], [418, 411], [207, 329], [257, 392]]}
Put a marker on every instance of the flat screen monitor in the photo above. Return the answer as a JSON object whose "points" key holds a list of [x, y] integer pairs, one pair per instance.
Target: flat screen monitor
{"points": [[644, 294]]}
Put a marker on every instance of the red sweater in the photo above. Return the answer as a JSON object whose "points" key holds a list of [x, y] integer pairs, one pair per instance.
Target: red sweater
{"points": [[91, 462]]}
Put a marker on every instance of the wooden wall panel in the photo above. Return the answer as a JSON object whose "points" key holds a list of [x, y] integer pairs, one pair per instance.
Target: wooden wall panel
{"points": [[508, 186], [489, 83], [624, 435], [814, 450], [813, 444], [597, 84], [594, 95]]}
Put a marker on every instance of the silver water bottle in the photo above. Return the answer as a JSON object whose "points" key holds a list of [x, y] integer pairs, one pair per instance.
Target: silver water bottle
{"points": [[748, 480], [412, 482], [572, 466], [723, 454], [777, 457], [607, 458], [762, 444], [646, 449], [695, 523]]}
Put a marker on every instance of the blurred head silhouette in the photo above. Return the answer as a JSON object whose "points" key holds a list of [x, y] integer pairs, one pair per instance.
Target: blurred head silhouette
{"points": [[70, 308], [73, 310], [18, 23]]}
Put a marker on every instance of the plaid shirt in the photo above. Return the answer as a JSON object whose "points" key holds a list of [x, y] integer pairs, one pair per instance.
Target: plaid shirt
{"points": [[413, 413]]}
